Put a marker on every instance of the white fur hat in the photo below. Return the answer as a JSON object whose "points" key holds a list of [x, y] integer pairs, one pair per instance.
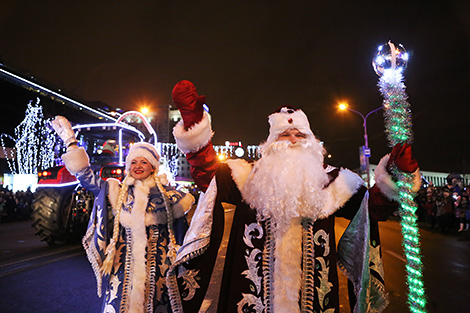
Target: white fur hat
{"points": [[288, 118], [146, 150]]}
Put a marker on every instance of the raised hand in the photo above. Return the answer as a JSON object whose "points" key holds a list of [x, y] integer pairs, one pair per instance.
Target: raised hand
{"points": [[188, 102], [63, 128], [402, 157]]}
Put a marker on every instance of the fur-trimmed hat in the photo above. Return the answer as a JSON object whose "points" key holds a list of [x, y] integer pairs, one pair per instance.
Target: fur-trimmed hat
{"points": [[146, 150], [288, 118]]}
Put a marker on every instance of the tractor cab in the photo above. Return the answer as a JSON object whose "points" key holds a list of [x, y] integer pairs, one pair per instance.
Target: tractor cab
{"points": [[107, 146], [62, 207]]}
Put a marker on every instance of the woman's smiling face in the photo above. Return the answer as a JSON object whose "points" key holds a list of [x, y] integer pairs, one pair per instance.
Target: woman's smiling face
{"points": [[141, 168]]}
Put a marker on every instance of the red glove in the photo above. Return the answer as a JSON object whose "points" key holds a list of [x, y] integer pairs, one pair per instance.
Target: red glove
{"points": [[188, 102], [403, 158]]}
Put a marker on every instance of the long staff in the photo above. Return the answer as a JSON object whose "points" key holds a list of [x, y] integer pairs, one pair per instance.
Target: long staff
{"points": [[389, 64]]}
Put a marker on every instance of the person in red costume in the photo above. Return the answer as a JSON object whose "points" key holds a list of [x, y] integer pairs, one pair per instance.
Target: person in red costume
{"points": [[282, 252]]}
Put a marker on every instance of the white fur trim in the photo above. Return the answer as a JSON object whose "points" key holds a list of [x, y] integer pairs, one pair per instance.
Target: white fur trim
{"points": [[184, 205], [343, 188], [196, 137], [146, 150], [287, 268], [155, 218], [416, 180], [385, 182], [75, 160], [240, 171], [135, 220], [178, 209], [130, 180], [284, 120], [163, 179]]}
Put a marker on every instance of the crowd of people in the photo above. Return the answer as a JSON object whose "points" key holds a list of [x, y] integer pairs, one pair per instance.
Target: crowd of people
{"points": [[445, 208], [442, 208], [282, 252], [15, 206]]}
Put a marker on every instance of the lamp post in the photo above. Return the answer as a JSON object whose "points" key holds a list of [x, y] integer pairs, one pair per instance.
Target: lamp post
{"points": [[366, 150], [144, 110]]}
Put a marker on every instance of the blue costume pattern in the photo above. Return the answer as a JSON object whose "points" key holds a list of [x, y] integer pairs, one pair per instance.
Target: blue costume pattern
{"points": [[151, 227], [116, 288]]}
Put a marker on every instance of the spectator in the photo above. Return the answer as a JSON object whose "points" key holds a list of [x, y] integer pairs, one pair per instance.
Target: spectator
{"points": [[445, 210], [9, 211], [429, 207], [462, 211]]}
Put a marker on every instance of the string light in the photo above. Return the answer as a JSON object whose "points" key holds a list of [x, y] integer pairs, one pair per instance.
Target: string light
{"points": [[398, 125], [170, 154], [34, 142], [253, 152], [34, 146], [10, 157]]}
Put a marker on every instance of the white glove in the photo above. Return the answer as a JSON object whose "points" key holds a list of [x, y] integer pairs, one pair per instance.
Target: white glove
{"points": [[63, 128]]}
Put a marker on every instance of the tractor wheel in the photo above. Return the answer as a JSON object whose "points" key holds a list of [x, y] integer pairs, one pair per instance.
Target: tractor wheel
{"points": [[50, 209]]}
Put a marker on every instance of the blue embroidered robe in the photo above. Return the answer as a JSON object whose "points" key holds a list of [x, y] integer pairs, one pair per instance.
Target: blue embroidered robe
{"points": [[116, 288]]}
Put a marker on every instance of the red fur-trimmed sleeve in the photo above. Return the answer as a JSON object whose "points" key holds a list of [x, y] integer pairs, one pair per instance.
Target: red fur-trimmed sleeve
{"points": [[383, 196], [196, 143], [204, 164], [380, 207]]}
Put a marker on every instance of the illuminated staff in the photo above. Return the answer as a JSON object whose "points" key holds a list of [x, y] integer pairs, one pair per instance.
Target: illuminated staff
{"points": [[389, 64]]}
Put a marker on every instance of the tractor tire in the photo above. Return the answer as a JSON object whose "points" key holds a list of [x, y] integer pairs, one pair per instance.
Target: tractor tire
{"points": [[50, 209]]}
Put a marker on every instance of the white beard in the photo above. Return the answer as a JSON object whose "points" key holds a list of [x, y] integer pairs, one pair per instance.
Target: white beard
{"points": [[286, 184], [288, 181]]}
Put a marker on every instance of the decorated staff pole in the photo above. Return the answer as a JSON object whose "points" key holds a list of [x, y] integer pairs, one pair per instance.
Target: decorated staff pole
{"points": [[389, 64]]}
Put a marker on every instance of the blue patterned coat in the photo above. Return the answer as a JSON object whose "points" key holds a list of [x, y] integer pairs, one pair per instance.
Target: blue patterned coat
{"points": [[117, 289]]}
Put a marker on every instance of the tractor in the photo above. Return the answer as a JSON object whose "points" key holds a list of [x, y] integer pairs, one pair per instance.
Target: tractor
{"points": [[61, 206]]}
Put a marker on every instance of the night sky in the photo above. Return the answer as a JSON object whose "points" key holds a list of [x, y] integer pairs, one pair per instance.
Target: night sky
{"points": [[251, 57]]}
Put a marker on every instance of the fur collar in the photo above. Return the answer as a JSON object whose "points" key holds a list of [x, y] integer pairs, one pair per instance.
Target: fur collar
{"points": [[343, 187], [240, 170], [385, 181], [288, 268], [135, 221], [194, 138], [76, 159], [178, 209]]}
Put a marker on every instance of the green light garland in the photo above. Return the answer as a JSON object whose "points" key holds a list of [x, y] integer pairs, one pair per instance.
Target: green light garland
{"points": [[398, 125]]}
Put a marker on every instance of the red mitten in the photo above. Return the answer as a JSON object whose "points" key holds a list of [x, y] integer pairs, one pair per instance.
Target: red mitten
{"points": [[188, 102], [403, 158]]}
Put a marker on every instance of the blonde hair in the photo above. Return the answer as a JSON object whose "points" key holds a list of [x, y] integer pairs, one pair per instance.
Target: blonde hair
{"points": [[111, 248]]}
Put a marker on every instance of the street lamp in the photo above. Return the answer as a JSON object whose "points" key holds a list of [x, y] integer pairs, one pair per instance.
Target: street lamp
{"points": [[365, 151], [144, 110]]}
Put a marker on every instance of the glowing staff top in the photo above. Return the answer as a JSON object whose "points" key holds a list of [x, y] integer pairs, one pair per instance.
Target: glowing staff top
{"points": [[389, 64], [391, 58]]}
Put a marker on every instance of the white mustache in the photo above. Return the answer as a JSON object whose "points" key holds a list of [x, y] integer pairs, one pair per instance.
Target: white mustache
{"points": [[282, 145]]}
